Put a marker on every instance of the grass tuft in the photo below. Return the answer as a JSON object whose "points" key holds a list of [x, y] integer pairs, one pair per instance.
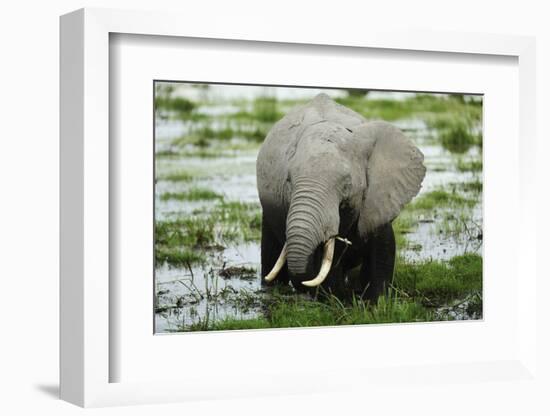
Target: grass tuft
{"points": [[193, 194], [180, 176], [296, 311], [457, 139], [181, 106], [439, 199], [435, 283], [469, 165], [227, 222], [475, 186]]}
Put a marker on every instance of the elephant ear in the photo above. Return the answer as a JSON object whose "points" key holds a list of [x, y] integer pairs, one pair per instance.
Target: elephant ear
{"points": [[394, 173]]}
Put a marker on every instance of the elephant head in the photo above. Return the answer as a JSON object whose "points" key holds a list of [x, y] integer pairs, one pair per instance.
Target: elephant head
{"points": [[331, 173]]}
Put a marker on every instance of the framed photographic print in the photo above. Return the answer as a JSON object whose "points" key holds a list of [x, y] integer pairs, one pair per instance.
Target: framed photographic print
{"points": [[244, 173], [305, 207]]}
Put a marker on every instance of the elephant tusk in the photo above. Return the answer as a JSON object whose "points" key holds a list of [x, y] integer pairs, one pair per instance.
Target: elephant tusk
{"points": [[278, 266], [344, 240], [328, 254]]}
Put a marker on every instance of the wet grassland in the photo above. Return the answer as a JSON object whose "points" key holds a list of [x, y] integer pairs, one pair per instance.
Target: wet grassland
{"points": [[208, 217]]}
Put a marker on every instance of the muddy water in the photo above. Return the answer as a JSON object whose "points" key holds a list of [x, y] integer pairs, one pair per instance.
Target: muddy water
{"points": [[186, 296]]}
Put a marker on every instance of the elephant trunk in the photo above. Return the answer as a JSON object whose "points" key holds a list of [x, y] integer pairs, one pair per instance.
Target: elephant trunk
{"points": [[312, 219]]}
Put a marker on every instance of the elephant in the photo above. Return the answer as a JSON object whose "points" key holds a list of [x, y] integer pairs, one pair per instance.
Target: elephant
{"points": [[330, 184]]}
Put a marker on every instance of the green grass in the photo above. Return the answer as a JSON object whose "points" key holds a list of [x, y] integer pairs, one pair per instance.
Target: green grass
{"points": [[215, 145], [306, 313], [206, 136], [207, 132], [228, 324], [199, 152], [388, 310], [423, 106], [356, 92], [403, 225], [421, 292], [191, 233], [297, 312], [439, 199], [179, 105], [264, 109], [435, 283], [469, 165], [234, 148], [169, 106], [384, 109], [166, 154], [475, 186], [452, 117], [242, 221], [179, 176], [436, 167], [227, 222], [456, 129], [192, 194], [457, 138], [256, 134], [202, 153]]}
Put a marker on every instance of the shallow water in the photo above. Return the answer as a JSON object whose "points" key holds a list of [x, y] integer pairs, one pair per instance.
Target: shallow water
{"points": [[188, 296], [202, 292], [430, 243]]}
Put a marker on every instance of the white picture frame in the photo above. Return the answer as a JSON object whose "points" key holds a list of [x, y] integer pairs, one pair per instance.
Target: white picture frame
{"points": [[86, 353]]}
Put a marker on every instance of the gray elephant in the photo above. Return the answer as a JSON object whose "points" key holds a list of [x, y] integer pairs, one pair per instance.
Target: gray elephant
{"points": [[330, 184]]}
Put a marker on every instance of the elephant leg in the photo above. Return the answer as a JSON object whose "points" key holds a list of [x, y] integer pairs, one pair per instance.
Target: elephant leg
{"points": [[378, 263], [270, 251], [335, 283]]}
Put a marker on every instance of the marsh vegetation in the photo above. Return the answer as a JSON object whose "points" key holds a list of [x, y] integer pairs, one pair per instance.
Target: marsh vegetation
{"points": [[208, 218]]}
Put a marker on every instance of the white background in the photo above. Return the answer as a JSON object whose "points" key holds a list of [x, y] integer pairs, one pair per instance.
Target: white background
{"points": [[375, 346], [29, 213]]}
